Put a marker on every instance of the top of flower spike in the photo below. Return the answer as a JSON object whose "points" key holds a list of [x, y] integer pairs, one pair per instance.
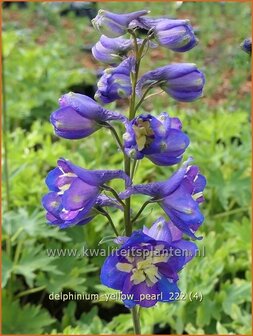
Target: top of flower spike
{"points": [[115, 25], [177, 35]]}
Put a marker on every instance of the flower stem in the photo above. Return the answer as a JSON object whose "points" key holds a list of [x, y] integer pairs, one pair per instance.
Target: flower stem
{"points": [[138, 54], [136, 321], [127, 164], [127, 209], [134, 168], [115, 194], [141, 209], [103, 212], [115, 134], [154, 94], [111, 222], [144, 96]]}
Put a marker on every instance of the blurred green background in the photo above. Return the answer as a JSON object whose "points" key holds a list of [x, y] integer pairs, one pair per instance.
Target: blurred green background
{"points": [[46, 51]]}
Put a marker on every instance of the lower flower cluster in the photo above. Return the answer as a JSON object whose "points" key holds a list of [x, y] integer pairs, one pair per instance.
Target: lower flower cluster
{"points": [[148, 263]]}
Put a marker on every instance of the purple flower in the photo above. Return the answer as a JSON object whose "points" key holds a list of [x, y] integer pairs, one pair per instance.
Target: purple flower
{"points": [[168, 232], [182, 81], [74, 191], [145, 269], [79, 116], [179, 197], [246, 45], [162, 230], [176, 35], [159, 139], [114, 25], [82, 218], [111, 50], [115, 83]]}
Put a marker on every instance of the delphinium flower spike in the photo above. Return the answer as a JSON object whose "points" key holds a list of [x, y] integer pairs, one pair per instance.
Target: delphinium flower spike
{"points": [[147, 265]]}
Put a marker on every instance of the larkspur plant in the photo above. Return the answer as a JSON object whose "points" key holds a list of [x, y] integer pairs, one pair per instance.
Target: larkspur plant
{"points": [[146, 265]]}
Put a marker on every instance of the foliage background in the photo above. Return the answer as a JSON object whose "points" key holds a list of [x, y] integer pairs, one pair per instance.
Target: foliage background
{"points": [[45, 55]]}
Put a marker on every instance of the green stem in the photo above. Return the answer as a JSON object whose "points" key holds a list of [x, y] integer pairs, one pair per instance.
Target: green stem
{"points": [[115, 194], [138, 54], [133, 169], [127, 163], [106, 214], [30, 291], [5, 140], [141, 209], [152, 85], [17, 233], [154, 94], [143, 98], [111, 222], [115, 134], [127, 210], [18, 251], [231, 212], [136, 320]]}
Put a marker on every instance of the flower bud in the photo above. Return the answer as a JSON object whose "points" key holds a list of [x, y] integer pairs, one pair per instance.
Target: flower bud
{"points": [[176, 35], [69, 124], [79, 116], [112, 24], [111, 50], [115, 83], [182, 81]]}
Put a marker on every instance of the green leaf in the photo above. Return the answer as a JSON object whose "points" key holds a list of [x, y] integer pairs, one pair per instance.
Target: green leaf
{"points": [[221, 330], [204, 312], [33, 260], [30, 225], [28, 319], [238, 292], [7, 267], [72, 275]]}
